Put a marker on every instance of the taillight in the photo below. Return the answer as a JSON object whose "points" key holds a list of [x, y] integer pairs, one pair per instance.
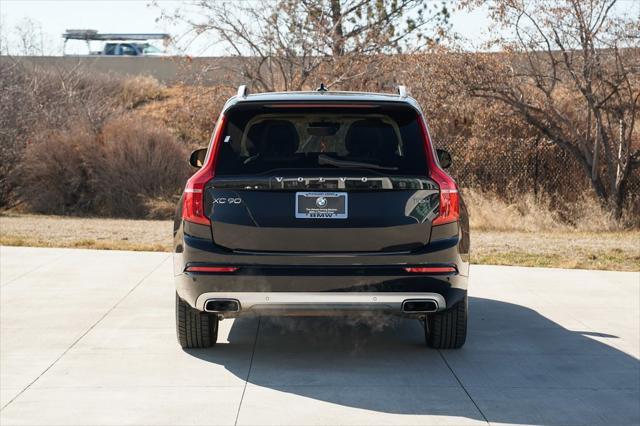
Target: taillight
{"points": [[211, 269], [193, 202], [449, 197]]}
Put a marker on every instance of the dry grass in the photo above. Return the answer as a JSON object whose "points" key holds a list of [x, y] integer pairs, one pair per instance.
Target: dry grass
{"points": [[98, 233], [617, 251], [530, 232], [611, 250], [529, 213]]}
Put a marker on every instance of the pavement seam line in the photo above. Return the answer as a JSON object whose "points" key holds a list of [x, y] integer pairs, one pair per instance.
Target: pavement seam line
{"points": [[29, 272], [253, 352], [86, 332], [462, 386]]}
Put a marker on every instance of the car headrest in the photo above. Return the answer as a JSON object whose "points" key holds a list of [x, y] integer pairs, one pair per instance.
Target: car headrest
{"points": [[273, 138], [371, 139], [254, 137]]}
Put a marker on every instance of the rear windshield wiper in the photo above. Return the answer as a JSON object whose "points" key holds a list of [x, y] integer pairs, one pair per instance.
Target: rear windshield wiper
{"points": [[325, 159]]}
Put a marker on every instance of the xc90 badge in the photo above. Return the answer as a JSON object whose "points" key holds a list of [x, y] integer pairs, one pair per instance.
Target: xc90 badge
{"points": [[225, 200]]}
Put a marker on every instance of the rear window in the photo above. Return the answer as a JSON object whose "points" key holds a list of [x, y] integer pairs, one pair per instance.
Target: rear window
{"points": [[388, 143]]}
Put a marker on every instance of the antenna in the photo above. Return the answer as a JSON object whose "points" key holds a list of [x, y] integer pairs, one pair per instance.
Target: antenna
{"points": [[322, 88], [402, 91], [242, 91]]}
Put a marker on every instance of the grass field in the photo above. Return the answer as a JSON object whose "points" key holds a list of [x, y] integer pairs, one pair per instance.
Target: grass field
{"points": [[619, 250]]}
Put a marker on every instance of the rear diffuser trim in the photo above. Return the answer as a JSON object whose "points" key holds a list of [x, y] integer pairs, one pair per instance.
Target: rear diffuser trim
{"points": [[264, 301]]}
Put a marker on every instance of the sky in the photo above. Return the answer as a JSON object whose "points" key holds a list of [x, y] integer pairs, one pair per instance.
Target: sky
{"points": [[51, 18]]}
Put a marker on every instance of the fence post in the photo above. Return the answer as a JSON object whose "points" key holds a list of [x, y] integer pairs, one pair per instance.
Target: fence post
{"points": [[535, 168]]}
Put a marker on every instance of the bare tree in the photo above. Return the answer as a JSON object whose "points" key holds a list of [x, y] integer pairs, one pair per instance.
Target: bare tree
{"points": [[25, 38], [572, 71], [285, 42]]}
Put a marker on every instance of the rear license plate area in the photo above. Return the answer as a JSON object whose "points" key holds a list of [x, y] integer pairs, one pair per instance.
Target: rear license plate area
{"points": [[321, 205]]}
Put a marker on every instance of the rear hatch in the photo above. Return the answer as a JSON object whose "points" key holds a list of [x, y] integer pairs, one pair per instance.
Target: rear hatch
{"points": [[322, 180]]}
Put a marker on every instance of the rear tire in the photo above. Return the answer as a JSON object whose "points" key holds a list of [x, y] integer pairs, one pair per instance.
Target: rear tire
{"points": [[195, 329], [447, 329]]}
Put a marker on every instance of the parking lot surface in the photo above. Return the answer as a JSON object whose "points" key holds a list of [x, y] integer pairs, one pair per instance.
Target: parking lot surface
{"points": [[87, 338]]}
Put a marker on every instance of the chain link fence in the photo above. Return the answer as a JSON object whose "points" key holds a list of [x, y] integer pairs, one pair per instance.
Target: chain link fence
{"points": [[527, 166]]}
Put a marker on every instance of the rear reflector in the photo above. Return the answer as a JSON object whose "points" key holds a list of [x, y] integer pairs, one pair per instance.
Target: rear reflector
{"points": [[432, 270], [211, 269]]}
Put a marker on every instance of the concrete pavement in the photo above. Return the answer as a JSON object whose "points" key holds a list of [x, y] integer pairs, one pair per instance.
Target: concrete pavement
{"points": [[87, 338]]}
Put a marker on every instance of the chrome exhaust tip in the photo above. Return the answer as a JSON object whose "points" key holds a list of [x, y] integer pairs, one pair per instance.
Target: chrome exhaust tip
{"points": [[222, 305], [419, 306]]}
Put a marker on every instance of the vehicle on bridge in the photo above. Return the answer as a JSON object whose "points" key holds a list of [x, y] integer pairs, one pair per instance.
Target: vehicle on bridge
{"points": [[119, 44]]}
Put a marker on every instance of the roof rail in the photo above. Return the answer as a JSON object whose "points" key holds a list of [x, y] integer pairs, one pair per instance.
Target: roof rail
{"points": [[402, 91], [242, 91]]}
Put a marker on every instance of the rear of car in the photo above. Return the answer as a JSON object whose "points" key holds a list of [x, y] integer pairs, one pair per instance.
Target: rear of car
{"points": [[318, 203]]}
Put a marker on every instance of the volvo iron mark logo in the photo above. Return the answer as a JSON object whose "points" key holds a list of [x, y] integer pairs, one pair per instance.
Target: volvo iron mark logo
{"points": [[321, 201]]}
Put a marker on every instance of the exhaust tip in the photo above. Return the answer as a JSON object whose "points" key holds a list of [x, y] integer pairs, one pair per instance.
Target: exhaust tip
{"points": [[222, 305], [419, 306]]}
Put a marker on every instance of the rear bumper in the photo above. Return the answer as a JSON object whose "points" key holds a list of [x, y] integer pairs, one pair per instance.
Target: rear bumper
{"points": [[372, 287], [323, 283]]}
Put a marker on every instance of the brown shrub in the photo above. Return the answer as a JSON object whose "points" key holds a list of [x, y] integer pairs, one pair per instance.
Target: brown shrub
{"points": [[55, 175], [130, 169], [189, 112], [161, 208], [138, 161], [13, 125], [139, 90], [35, 101]]}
